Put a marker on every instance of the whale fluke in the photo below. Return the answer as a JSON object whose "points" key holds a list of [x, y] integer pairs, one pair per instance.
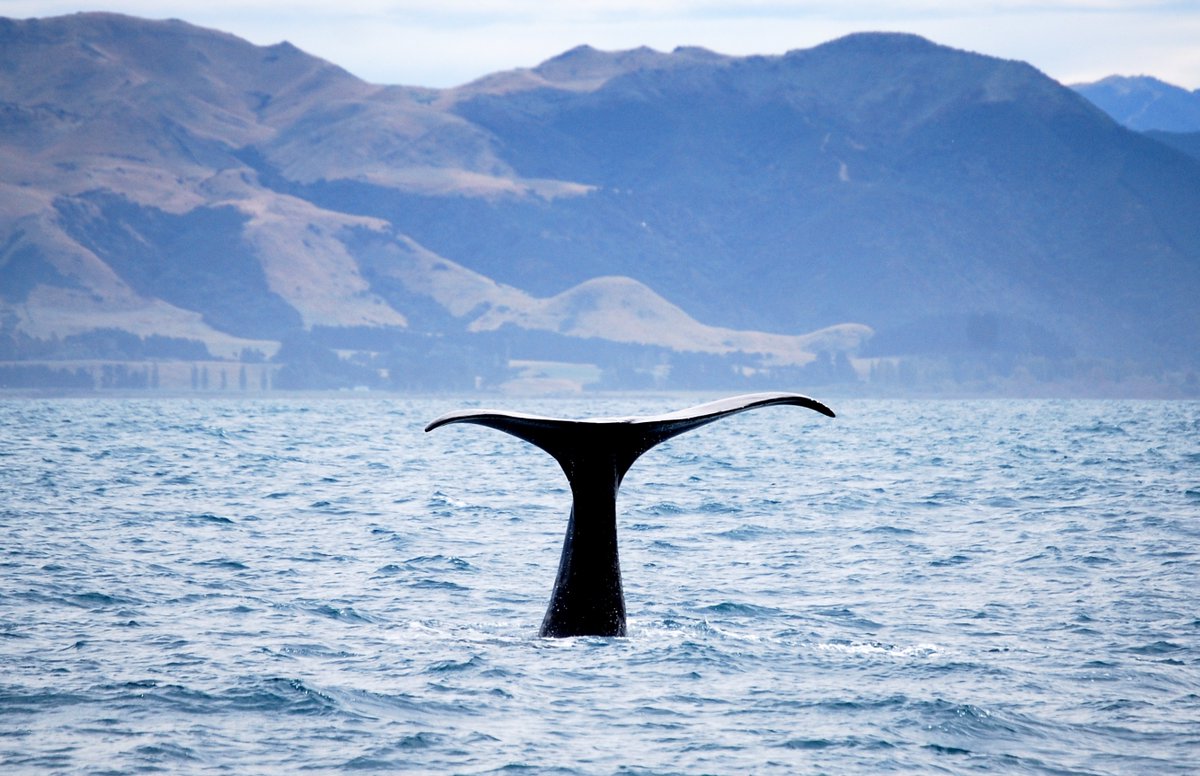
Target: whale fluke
{"points": [[595, 454]]}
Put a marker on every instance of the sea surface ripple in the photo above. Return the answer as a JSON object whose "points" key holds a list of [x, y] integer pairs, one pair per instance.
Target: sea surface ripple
{"points": [[316, 585]]}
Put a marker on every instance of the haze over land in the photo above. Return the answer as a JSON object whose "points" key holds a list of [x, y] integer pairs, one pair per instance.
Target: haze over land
{"points": [[875, 209]]}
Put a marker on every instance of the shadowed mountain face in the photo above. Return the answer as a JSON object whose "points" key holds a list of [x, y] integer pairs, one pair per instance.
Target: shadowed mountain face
{"points": [[879, 178], [945, 200]]}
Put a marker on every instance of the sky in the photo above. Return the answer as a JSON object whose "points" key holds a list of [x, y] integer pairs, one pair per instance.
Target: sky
{"points": [[442, 43]]}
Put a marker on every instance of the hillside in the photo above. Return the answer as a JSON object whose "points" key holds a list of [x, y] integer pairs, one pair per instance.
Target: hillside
{"points": [[875, 199], [1144, 103], [878, 179], [1187, 142]]}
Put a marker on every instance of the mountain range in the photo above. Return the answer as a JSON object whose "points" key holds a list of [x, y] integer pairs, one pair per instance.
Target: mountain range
{"points": [[1170, 114], [1145, 103], [870, 202]]}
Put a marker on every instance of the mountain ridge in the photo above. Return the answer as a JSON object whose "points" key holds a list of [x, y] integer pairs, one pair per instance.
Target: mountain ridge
{"points": [[170, 180], [1145, 103]]}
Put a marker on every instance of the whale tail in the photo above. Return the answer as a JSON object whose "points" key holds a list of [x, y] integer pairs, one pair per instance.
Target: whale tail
{"points": [[595, 454]]}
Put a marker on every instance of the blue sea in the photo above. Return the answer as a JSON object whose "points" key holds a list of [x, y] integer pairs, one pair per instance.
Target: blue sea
{"points": [[316, 585]]}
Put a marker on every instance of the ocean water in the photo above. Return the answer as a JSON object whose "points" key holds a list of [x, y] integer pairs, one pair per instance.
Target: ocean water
{"points": [[316, 585]]}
